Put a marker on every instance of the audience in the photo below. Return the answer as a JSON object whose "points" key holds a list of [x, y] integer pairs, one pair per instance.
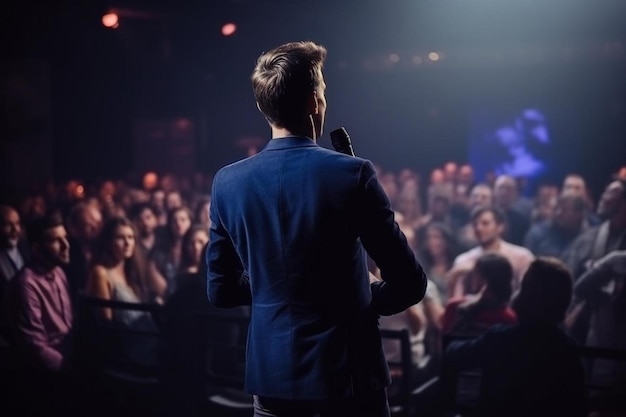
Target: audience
{"points": [[155, 257], [529, 368]]}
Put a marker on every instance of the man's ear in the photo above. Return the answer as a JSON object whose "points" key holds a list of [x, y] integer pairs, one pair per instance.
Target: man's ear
{"points": [[313, 106]]}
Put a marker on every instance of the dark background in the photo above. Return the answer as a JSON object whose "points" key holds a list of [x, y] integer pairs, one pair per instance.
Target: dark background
{"points": [[73, 90]]}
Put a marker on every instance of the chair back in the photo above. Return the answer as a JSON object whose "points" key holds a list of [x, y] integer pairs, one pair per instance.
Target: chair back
{"points": [[224, 345]]}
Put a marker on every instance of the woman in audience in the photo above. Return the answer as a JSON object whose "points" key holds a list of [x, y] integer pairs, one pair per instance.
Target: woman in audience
{"points": [[437, 250], [201, 213], [471, 315], [185, 329], [168, 255], [193, 244], [408, 203], [120, 273]]}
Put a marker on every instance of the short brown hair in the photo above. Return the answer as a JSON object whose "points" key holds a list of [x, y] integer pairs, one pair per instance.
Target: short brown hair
{"points": [[283, 79]]}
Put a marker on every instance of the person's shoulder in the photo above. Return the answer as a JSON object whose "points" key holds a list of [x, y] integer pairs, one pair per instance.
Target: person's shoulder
{"points": [[233, 167], [23, 276], [98, 273], [587, 235], [501, 332], [516, 250], [540, 228], [470, 254]]}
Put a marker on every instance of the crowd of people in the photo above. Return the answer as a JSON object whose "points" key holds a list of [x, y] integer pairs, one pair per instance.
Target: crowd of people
{"points": [[493, 256]]}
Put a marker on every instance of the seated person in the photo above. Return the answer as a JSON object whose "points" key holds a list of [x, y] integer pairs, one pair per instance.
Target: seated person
{"points": [[42, 321], [184, 330], [120, 273], [422, 322], [472, 315], [530, 368]]}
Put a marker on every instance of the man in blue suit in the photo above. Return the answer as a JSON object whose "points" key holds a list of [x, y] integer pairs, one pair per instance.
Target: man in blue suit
{"points": [[290, 228]]}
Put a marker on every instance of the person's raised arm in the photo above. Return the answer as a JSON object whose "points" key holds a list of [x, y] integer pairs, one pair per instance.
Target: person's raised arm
{"points": [[590, 284]]}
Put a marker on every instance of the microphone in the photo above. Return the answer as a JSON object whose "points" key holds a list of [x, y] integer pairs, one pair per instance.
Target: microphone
{"points": [[341, 141]]}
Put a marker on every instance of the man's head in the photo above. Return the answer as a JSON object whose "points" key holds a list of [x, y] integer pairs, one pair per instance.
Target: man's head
{"points": [[48, 240], [506, 191], [439, 201], [613, 201], [569, 212], [494, 272], [466, 175], [488, 225], [289, 86], [450, 171], [85, 222], [481, 196], [10, 227], [545, 293], [575, 184], [144, 216]]}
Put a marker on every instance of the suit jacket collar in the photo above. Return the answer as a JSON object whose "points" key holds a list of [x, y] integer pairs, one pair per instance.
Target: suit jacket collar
{"points": [[289, 142]]}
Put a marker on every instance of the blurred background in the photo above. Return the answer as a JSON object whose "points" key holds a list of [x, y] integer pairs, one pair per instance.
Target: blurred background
{"points": [[100, 89]]}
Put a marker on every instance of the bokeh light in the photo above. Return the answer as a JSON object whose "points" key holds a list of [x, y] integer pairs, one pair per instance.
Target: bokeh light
{"points": [[111, 20], [229, 29]]}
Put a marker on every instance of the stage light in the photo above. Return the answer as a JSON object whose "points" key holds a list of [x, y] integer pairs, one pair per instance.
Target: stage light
{"points": [[395, 58], [111, 20], [417, 60], [433, 56], [229, 29]]}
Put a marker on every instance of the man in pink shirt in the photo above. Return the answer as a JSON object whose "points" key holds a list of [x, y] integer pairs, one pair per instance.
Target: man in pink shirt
{"points": [[42, 313]]}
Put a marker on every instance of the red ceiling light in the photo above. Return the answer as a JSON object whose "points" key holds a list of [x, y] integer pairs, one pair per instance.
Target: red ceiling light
{"points": [[229, 29], [111, 20]]}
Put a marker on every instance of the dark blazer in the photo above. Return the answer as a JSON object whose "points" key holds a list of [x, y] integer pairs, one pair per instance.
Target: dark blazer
{"points": [[290, 227]]}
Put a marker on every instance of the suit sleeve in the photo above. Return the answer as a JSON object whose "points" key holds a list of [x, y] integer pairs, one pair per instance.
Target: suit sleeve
{"points": [[227, 283], [403, 279]]}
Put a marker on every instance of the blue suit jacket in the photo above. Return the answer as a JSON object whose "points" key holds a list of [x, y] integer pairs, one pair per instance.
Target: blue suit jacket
{"points": [[289, 229]]}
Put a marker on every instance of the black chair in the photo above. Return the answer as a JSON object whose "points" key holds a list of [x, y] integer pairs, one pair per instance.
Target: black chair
{"points": [[111, 378], [224, 346], [458, 391], [603, 398], [404, 399]]}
